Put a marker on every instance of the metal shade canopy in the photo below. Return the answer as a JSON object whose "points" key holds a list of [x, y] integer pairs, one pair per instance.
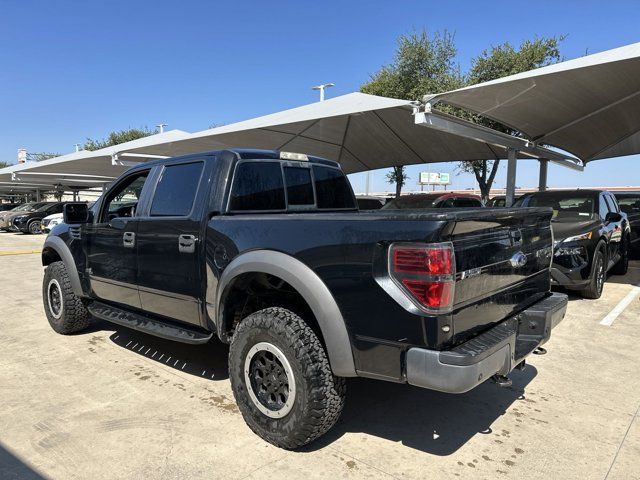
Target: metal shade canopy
{"points": [[589, 106], [362, 132], [86, 169]]}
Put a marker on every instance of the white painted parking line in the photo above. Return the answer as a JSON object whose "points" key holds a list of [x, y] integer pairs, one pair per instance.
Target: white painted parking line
{"points": [[624, 303]]}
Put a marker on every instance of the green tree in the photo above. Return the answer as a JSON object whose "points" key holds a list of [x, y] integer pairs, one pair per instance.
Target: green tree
{"points": [[4, 164], [422, 64], [426, 64], [118, 137]]}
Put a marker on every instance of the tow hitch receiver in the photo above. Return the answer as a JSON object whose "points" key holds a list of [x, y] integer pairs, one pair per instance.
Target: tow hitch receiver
{"points": [[502, 380]]}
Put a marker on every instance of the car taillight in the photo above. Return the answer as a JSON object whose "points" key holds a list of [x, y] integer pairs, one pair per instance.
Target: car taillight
{"points": [[425, 272]]}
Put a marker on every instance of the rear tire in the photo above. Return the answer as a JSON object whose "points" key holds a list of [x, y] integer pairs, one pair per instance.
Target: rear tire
{"points": [[622, 267], [281, 379], [65, 311], [598, 276]]}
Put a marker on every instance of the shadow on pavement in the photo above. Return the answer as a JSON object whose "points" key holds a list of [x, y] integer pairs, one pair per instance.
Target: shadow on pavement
{"points": [[432, 422], [11, 467], [206, 361]]}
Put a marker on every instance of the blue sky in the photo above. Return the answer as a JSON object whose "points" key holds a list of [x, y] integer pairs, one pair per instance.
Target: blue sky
{"points": [[71, 70]]}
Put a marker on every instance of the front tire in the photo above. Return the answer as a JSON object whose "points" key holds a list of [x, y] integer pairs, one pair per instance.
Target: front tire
{"points": [[598, 276], [35, 227], [281, 379], [65, 311]]}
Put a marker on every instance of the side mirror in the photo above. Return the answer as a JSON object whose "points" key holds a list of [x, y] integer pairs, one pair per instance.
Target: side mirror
{"points": [[75, 213], [613, 217]]}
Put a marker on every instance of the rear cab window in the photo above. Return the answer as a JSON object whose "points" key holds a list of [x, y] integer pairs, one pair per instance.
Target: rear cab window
{"points": [[275, 186]]}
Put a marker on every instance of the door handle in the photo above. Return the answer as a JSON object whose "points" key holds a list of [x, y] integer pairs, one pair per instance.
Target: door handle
{"points": [[187, 243], [128, 239]]}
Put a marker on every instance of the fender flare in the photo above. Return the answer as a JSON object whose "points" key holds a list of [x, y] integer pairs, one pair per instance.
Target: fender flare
{"points": [[57, 244], [308, 284]]}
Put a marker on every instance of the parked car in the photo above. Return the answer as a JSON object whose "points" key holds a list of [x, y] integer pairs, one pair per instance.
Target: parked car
{"points": [[6, 218], [592, 237], [31, 222], [4, 207], [267, 251], [51, 221], [368, 202], [499, 201], [434, 200], [629, 203]]}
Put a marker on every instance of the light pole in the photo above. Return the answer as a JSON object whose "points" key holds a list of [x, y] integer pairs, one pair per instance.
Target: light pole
{"points": [[161, 127], [322, 88]]}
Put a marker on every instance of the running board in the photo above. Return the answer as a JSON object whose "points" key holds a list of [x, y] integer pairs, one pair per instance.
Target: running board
{"points": [[148, 325]]}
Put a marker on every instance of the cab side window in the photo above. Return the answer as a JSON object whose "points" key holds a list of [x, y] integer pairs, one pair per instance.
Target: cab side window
{"points": [[176, 190], [122, 201], [467, 202]]}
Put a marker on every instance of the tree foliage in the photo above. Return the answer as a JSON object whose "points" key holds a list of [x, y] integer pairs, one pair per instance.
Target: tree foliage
{"points": [[425, 64], [118, 137], [4, 164]]}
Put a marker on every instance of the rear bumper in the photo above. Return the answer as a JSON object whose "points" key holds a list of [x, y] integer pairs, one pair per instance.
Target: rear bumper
{"points": [[498, 350]]}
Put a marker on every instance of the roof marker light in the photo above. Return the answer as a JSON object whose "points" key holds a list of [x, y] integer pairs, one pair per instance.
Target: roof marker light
{"points": [[301, 157]]}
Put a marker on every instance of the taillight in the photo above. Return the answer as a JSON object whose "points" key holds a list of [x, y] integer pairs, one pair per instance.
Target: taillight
{"points": [[425, 272]]}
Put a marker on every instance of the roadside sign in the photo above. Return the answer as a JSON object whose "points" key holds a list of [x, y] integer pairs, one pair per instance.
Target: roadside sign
{"points": [[434, 178]]}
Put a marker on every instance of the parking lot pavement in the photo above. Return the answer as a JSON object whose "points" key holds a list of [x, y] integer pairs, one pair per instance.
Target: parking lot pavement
{"points": [[113, 403]]}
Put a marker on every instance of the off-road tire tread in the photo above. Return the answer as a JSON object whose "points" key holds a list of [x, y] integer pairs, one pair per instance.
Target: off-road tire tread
{"points": [[75, 316], [326, 395]]}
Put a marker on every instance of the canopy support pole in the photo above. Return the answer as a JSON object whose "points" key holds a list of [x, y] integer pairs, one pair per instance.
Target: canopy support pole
{"points": [[37, 195], [542, 181], [512, 163]]}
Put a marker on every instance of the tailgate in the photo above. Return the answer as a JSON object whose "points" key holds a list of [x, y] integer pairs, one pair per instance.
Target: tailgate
{"points": [[502, 264]]}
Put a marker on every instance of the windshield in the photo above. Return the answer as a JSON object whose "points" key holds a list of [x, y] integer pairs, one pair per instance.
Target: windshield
{"points": [[566, 207], [22, 208], [41, 207], [409, 202]]}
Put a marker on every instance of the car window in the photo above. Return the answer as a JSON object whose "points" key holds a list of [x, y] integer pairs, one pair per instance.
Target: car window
{"points": [[332, 188], [567, 206], [176, 190], [122, 200], [613, 204], [54, 209], [467, 202], [299, 187], [408, 202], [629, 204], [603, 207], [257, 186], [448, 203]]}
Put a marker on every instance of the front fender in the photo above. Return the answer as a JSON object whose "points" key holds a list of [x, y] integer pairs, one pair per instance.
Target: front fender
{"points": [[62, 250], [310, 287]]}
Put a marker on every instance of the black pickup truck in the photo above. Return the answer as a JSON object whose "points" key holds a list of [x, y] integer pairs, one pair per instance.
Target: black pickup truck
{"points": [[267, 251]]}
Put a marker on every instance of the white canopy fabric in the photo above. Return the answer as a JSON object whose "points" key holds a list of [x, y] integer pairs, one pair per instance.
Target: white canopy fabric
{"points": [[589, 106], [85, 168], [362, 132]]}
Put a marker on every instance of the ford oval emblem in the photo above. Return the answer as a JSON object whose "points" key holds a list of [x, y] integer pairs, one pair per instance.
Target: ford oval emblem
{"points": [[518, 260]]}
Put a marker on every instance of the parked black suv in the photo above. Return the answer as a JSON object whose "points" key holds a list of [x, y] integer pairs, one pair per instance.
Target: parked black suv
{"points": [[267, 251], [591, 237], [31, 222]]}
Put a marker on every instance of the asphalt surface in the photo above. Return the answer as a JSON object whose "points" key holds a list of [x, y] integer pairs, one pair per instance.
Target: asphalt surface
{"points": [[113, 403]]}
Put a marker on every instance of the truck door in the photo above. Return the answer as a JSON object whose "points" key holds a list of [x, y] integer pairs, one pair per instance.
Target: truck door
{"points": [[169, 244], [111, 242]]}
